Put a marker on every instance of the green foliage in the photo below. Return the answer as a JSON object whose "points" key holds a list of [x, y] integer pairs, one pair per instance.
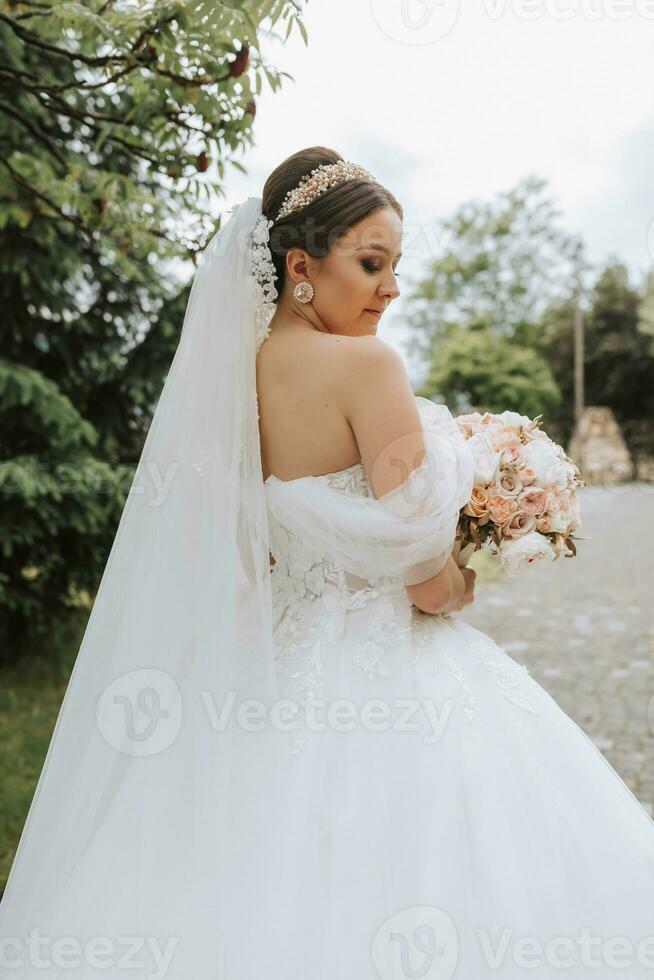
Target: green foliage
{"points": [[117, 123], [619, 354], [113, 115], [493, 320], [504, 262], [472, 370]]}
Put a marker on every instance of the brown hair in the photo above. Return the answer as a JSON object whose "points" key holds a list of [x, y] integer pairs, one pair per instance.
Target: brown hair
{"points": [[317, 227]]}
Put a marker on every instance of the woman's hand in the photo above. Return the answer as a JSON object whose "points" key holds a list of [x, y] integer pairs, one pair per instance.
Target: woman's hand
{"points": [[469, 575]]}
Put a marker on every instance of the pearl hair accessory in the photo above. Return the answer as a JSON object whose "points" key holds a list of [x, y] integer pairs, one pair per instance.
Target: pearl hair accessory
{"points": [[318, 181]]}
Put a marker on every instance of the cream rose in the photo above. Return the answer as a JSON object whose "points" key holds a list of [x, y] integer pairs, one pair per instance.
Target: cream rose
{"points": [[519, 525], [508, 483], [477, 506], [526, 474]]}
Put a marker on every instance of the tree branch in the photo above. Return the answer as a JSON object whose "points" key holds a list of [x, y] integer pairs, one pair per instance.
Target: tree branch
{"points": [[36, 133]]}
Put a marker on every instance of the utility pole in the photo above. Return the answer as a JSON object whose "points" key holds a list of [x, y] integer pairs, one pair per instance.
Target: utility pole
{"points": [[578, 350]]}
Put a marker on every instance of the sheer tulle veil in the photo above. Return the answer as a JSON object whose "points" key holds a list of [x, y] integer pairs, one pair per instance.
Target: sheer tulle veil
{"points": [[161, 737], [171, 807]]}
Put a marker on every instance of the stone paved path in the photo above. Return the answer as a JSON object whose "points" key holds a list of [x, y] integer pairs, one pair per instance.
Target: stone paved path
{"points": [[584, 627]]}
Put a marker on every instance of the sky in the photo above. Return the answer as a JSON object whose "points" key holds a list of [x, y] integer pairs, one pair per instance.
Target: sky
{"points": [[444, 102]]}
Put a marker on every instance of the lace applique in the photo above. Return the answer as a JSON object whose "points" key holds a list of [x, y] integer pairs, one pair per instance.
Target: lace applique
{"points": [[508, 675], [262, 279], [312, 599], [506, 671], [375, 654], [352, 480], [428, 640]]}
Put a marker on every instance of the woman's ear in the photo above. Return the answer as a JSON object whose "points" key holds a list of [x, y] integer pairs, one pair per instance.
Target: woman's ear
{"points": [[300, 265]]}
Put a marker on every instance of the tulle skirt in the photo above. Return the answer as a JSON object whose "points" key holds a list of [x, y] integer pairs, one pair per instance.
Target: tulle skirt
{"points": [[434, 815], [442, 818]]}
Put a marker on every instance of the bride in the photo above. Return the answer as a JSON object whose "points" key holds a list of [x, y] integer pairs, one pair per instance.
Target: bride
{"points": [[281, 753]]}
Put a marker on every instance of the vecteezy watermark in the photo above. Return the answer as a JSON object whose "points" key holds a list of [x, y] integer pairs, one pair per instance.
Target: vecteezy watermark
{"points": [[420, 715], [140, 713], [424, 942], [32, 477], [565, 10], [416, 942], [98, 953], [587, 949], [415, 21], [427, 21]]}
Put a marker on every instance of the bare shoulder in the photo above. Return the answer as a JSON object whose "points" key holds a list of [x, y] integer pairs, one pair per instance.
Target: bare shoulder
{"points": [[378, 401], [365, 365]]}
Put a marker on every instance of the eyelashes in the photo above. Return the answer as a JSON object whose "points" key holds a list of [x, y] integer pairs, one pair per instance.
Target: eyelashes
{"points": [[369, 267]]}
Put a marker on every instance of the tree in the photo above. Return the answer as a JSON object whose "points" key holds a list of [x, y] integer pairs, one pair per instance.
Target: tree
{"points": [[505, 262], [117, 122], [619, 361], [472, 370]]}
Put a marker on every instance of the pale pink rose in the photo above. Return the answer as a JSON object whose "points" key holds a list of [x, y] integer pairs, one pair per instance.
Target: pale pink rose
{"points": [[533, 501], [526, 474], [477, 506], [544, 524], [470, 423], [508, 483], [519, 525], [502, 437], [512, 455], [501, 509]]}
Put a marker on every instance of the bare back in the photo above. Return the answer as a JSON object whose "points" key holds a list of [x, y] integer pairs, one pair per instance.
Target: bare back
{"points": [[302, 415]]}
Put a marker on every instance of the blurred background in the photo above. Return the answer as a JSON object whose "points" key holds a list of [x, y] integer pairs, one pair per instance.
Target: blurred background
{"points": [[518, 135]]}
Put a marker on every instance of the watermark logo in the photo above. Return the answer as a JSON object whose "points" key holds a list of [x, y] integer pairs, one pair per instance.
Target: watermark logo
{"points": [[420, 943], [415, 21], [140, 713]]}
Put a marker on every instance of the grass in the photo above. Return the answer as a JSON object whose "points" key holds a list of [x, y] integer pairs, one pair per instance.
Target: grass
{"points": [[31, 692]]}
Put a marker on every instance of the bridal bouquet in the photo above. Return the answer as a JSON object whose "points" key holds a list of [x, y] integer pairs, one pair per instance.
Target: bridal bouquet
{"points": [[524, 505]]}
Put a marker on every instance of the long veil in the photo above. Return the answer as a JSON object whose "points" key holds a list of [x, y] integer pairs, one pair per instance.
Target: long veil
{"points": [[162, 736]]}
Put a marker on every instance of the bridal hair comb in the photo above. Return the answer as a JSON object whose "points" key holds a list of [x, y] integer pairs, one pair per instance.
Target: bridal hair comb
{"points": [[320, 179]]}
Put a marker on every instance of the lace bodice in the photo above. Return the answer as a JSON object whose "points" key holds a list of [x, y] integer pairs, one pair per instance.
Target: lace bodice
{"points": [[338, 578], [306, 586]]}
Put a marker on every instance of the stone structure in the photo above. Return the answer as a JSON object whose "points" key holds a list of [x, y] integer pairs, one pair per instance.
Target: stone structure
{"points": [[598, 448]]}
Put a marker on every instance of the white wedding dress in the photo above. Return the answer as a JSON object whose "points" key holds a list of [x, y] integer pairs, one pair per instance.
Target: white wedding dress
{"points": [[447, 818]]}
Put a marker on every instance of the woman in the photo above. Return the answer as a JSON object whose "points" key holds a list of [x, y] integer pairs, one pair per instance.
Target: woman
{"points": [[314, 769]]}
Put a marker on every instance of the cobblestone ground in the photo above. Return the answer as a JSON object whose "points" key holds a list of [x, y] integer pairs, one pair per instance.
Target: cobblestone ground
{"points": [[584, 627]]}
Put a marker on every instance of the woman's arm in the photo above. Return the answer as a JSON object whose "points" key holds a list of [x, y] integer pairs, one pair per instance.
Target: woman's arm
{"points": [[442, 593], [380, 407]]}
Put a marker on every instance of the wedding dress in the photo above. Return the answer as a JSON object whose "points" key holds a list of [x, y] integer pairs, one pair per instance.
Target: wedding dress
{"points": [[289, 772], [452, 820]]}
